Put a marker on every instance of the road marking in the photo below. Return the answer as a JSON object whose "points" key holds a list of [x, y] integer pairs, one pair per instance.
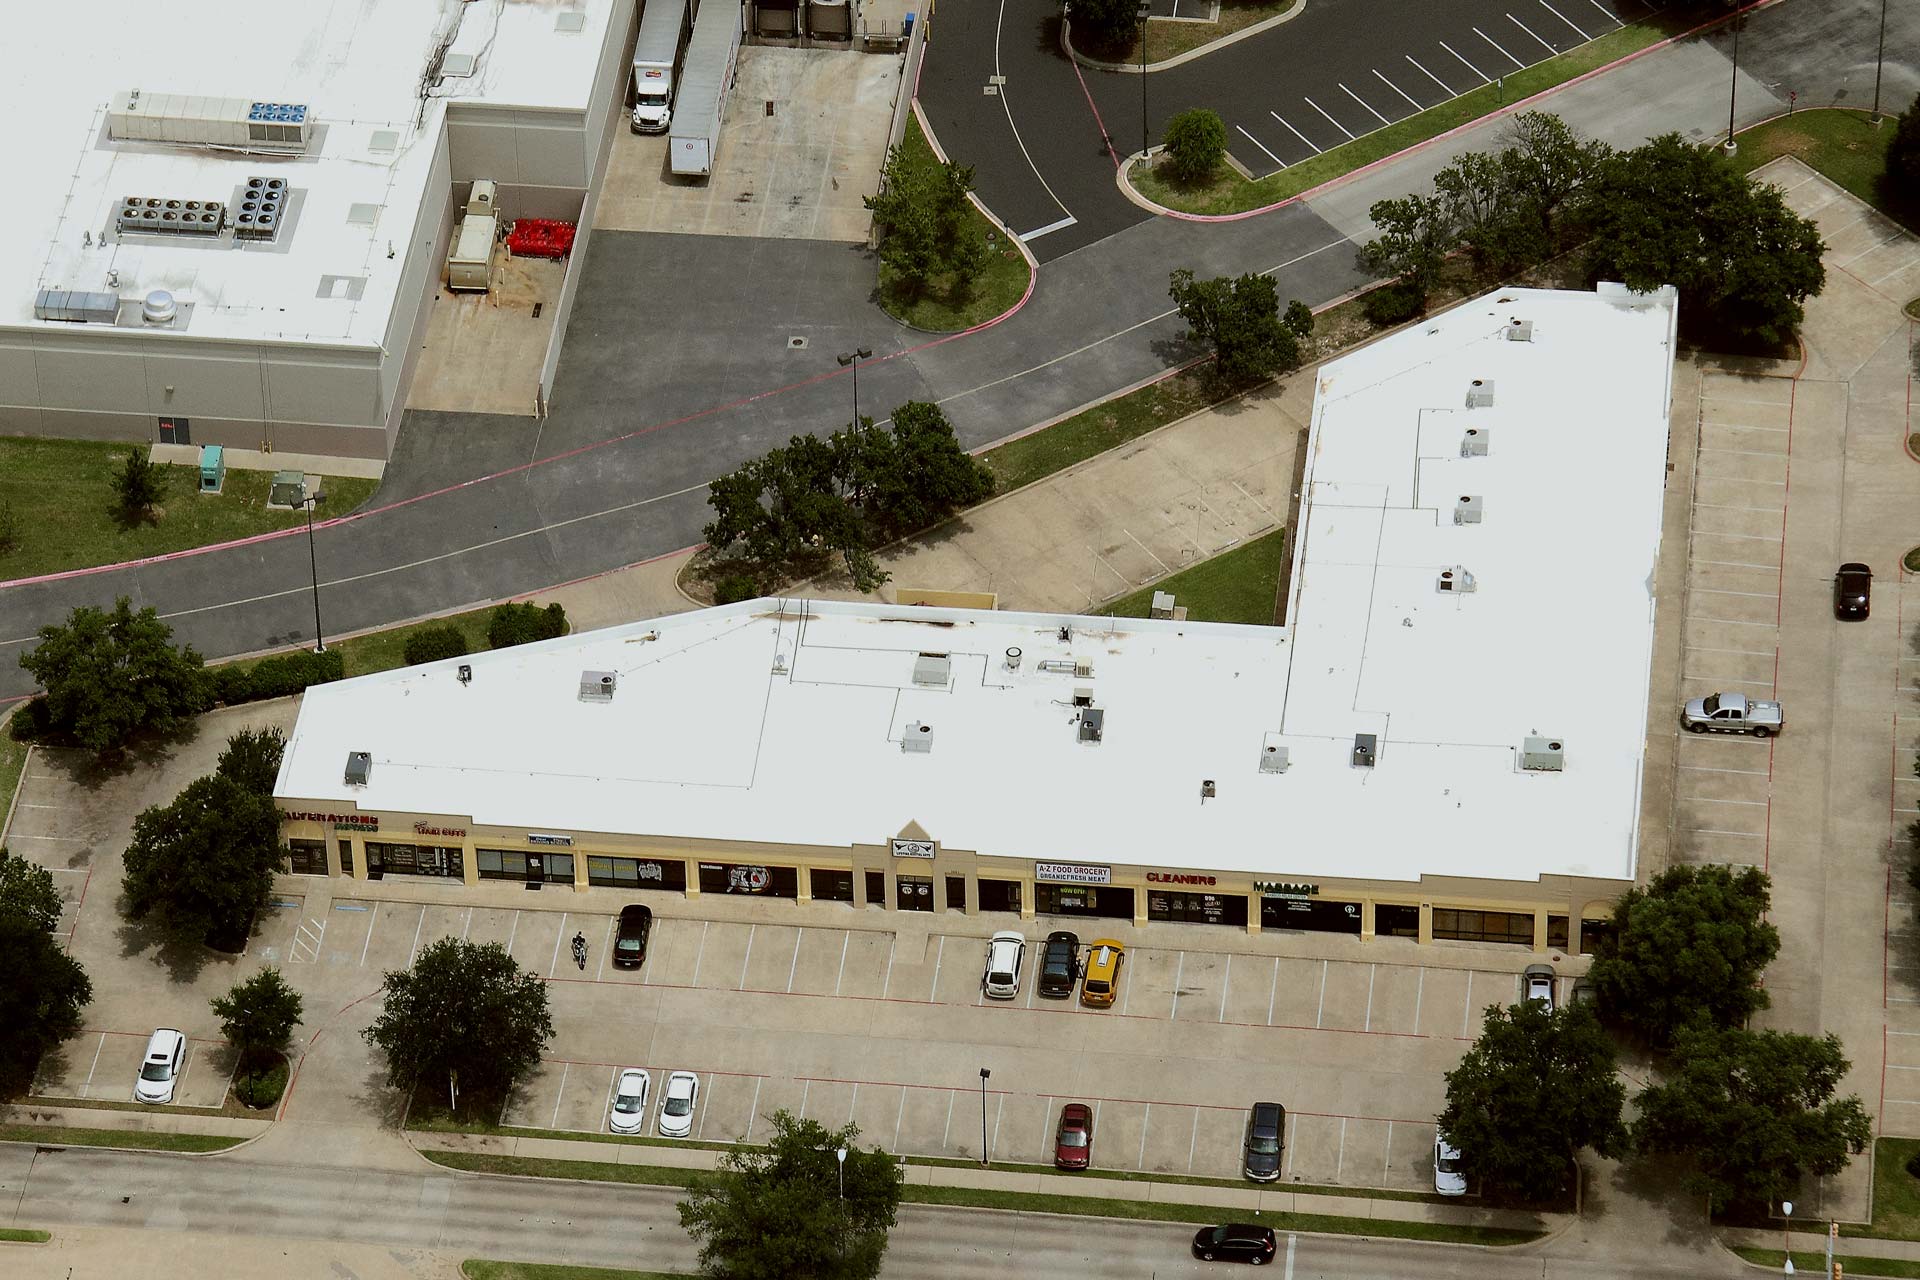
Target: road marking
{"points": [[1340, 1159], [1735, 564], [851, 1106], [1323, 995], [1716, 831], [1722, 591], [1611, 17], [1293, 1132], [1295, 132], [1256, 142], [1701, 768], [938, 956], [1141, 1163], [898, 1116], [1530, 31], [1743, 537], [511, 931], [1467, 1013], [1731, 622], [1049, 229], [999, 1109], [1436, 79], [1225, 982], [559, 1095], [1403, 93], [948, 1131], [418, 925], [1484, 78], [374, 919], [606, 1107], [1273, 989], [794, 967], [1357, 98], [1564, 18], [1178, 971], [94, 1065], [706, 1091], [1490, 40], [1193, 1141], [1419, 992], [1372, 971], [1758, 804], [746, 956], [806, 1090], [1778, 484], [1723, 681], [699, 955], [1330, 120], [887, 984], [1290, 1243], [467, 926], [606, 949], [753, 1110], [1046, 1120], [840, 973]]}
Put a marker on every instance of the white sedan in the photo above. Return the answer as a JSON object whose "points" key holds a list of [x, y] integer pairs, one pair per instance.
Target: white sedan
{"points": [[1448, 1180], [629, 1110], [676, 1104]]}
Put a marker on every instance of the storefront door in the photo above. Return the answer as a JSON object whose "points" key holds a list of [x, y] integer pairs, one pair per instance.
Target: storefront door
{"points": [[913, 893], [1313, 915]]}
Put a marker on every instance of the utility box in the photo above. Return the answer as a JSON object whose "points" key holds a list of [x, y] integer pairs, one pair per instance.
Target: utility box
{"points": [[470, 261], [1366, 749], [213, 468], [288, 489]]}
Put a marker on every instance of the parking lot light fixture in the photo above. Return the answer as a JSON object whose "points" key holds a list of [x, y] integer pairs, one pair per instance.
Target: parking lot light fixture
{"points": [[1733, 85], [1786, 1232], [841, 1156], [1146, 11], [311, 501], [853, 358], [986, 1157]]}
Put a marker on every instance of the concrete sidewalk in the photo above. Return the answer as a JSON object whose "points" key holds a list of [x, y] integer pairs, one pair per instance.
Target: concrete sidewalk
{"points": [[1816, 1242]]}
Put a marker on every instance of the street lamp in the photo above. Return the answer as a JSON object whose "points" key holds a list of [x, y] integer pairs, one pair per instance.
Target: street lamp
{"points": [[1879, 58], [313, 563], [841, 1155], [1786, 1232], [854, 357], [985, 1158], [1146, 8], [1733, 84]]}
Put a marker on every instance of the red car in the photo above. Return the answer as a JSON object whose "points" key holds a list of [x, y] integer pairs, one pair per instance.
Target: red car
{"points": [[1073, 1145]]}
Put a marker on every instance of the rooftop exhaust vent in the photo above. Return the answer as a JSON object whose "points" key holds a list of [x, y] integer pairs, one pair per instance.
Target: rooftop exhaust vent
{"points": [[1468, 509], [1366, 749], [159, 308], [1476, 442], [75, 307], [932, 670], [466, 673], [1456, 580], [1013, 658], [596, 686], [917, 739], [1083, 695], [1162, 605], [359, 768], [1093, 724], [1273, 756], [1519, 330], [1545, 755], [1208, 790], [1480, 393]]}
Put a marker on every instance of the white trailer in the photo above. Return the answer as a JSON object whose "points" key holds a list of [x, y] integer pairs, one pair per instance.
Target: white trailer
{"points": [[694, 141], [470, 260], [656, 56]]}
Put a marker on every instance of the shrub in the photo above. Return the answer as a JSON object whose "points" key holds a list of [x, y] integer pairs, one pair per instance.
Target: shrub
{"points": [[291, 673], [9, 527], [435, 643], [139, 485], [1393, 304], [734, 587], [1913, 1164], [513, 624], [1196, 143], [263, 1089], [232, 684]]}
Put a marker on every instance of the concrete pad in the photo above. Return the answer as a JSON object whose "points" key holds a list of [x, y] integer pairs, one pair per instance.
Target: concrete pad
{"points": [[877, 1109], [1313, 1148], [772, 959], [483, 351], [349, 929], [830, 1102], [1349, 993], [533, 940], [720, 959], [437, 922], [1409, 1157], [1023, 1127], [726, 1103], [924, 1122], [1123, 1127], [1297, 998], [1252, 989], [673, 951], [862, 968], [204, 1074], [1398, 994], [1172, 1138], [585, 1092], [817, 959], [276, 929], [949, 972], [1443, 1002], [394, 930], [1201, 994], [1149, 982], [774, 1093], [1216, 1148], [1363, 1153], [1765, 440]]}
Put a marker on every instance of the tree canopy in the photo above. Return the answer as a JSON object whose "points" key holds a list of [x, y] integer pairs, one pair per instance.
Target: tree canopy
{"points": [[1104, 24], [1241, 320], [1196, 142], [204, 864], [1537, 1086], [778, 1212], [252, 758], [259, 1014], [1690, 946], [926, 230], [40, 1001], [138, 485], [1900, 183], [110, 675], [27, 891], [1752, 1112], [464, 1014]]}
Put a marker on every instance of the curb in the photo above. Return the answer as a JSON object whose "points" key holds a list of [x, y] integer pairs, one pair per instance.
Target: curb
{"points": [[1179, 59]]}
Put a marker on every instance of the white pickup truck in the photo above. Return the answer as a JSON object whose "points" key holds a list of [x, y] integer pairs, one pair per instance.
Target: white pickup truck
{"points": [[1733, 713]]}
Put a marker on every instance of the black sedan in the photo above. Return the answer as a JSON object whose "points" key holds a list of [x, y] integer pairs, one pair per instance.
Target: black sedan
{"points": [[1235, 1242], [630, 943], [1852, 592]]}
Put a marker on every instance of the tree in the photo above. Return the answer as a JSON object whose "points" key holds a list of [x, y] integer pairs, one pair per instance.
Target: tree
{"points": [[204, 864], [40, 1002], [919, 474], [465, 1017], [139, 485], [27, 891], [790, 1209], [1104, 25], [108, 676], [1241, 320], [1689, 946], [258, 1016], [433, 644], [1672, 213], [928, 230], [252, 758], [1900, 183], [1416, 234], [1752, 1112], [1537, 1086], [1196, 143], [1545, 166]]}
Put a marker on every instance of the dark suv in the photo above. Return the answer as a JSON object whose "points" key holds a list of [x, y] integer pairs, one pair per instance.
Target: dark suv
{"points": [[1060, 965], [1853, 592], [1235, 1242], [1266, 1125], [630, 943]]}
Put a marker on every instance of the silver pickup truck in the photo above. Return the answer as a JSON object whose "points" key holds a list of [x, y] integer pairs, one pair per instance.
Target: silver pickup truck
{"points": [[1733, 713]]}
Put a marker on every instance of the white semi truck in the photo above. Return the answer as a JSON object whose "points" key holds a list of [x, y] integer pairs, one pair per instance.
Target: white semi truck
{"points": [[656, 57], [694, 140]]}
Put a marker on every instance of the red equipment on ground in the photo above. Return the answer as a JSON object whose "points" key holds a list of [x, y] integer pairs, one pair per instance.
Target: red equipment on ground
{"points": [[540, 238]]}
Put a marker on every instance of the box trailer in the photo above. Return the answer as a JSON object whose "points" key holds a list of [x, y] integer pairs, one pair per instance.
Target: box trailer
{"points": [[656, 57], [694, 140]]}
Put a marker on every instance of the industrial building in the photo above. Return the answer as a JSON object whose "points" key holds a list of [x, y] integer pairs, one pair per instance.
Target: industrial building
{"points": [[1445, 740]]}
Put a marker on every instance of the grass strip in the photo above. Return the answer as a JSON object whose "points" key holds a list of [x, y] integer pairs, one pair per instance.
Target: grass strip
{"points": [[1185, 1180], [24, 1235], [1166, 39], [1913, 556], [1095, 430], [485, 1269], [386, 650], [1016, 1201], [1230, 193], [1896, 1193], [438, 1121], [1234, 586], [1814, 1264], [53, 1136], [1842, 145], [67, 513], [13, 759], [1001, 282]]}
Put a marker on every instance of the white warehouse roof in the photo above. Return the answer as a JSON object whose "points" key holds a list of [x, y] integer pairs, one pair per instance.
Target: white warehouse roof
{"points": [[783, 722], [360, 67]]}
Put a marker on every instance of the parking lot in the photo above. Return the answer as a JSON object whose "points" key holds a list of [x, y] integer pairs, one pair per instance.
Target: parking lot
{"points": [[101, 1066]]}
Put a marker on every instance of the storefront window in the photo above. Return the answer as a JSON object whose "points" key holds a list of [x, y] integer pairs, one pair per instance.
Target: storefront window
{"points": [[1197, 908], [1512, 927], [1315, 915], [832, 886], [1392, 920], [559, 867], [1557, 932], [876, 888], [749, 877], [999, 895], [501, 864], [413, 860], [634, 873], [1088, 900], [1592, 932], [956, 893], [307, 857]]}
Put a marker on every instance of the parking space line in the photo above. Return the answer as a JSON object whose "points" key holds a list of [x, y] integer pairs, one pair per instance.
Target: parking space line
{"points": [[1436, 79], [707, 1089], [1716, 831], [1273, 988], [513, 931], [1322, 1007], [999, 1109], [1397, 89], [1733, 564], [1466, 1014], [467, 926], [853, 1105], [559, 1095], [1372, 971], [1614, 18], [606, 948], [806, 1090], [1564, 18], [94, 1065], [938, 956], [1330, 120], [946, 1132], [1224, 984], [413, 950], [1126, 999], [699, 954], [372, 921], [1263, 146], [1701, 768], [1178, 970], [1292, 1133], [1757, 804], [1743, 537], [745, 956], [794, 967], [1295, 132], [554, 963], [887, 983], [606, 1105], [1193, 1140], [1484, 77], [753, 1110], [1362, 101], [1419, 991], [1146, 1119], [1731, 622], [1748, 453], [898, 1116], [1723, 681], [1530, 31], [1722, 591]]}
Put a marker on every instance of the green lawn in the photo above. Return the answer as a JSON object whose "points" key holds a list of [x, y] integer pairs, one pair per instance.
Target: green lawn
{"points": [[1234, 586], [1896, 1193], [999, 286], [61, 494], [46, 1135], [1233, 194], [481, 1269], [23, 1235], [13, 758], [1843, 145], [1096, 430], [436, 1120], [1168, 39], [1814, 1264]]}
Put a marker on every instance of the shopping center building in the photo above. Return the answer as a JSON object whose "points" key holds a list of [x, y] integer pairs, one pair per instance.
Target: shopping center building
{"points": [[1445, 740]]}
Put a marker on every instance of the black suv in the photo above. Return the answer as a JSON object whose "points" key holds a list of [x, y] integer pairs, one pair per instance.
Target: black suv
{"points": [[1852, 592], [1266, 1125], [1060, 965], [1235, 1242], [630, 943]]}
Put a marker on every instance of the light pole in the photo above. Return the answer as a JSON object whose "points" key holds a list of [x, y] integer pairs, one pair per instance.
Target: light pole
{"points": [[1733, 84], [313, 563], [854, 357], [841, 1155], [1146, 8], [1879, 58], [985, 1159], [1786, 1232]]}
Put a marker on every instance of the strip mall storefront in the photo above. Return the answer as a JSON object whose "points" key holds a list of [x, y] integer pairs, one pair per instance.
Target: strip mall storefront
{"points": [[915, 873]]}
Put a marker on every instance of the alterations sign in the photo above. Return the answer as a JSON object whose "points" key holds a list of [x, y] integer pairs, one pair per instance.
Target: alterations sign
{"points": [[1072, 873]]}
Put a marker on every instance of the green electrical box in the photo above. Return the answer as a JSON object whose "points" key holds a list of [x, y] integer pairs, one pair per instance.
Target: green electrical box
{"points": [[213, 468], [289, 489]]}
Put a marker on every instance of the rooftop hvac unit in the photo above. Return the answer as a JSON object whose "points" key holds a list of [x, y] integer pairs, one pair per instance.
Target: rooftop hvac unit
{"points": [[1476, 442], [596, 686], [1162, 605], [1456, 580], [261, 207], [1366, 748], [1468, 509], [1273, 756], [75, 307], [932, 670], [1480, 393], [917, 739], [1519, 330], [359, 768], [1080, 667], [1543, 754], [484, 196], [193, 119], [169, 215], [1093, 724]]}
